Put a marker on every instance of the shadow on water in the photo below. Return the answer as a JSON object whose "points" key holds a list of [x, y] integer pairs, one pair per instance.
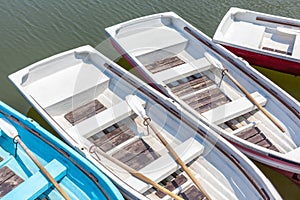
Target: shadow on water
{"points": [[32, 113]]}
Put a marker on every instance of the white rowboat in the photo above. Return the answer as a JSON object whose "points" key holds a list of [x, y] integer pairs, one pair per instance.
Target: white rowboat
{"points": [[262, 39], [98, 108], [185, 65]]}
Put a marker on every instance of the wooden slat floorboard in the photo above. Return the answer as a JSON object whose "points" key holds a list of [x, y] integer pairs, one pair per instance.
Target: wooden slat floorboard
{"points": [[164, 64], [192, 193], [115, 141], [109, 135], [194, 88], [113, 136], [83, 112], [192, 82], [255, 136], [8, 180], [198, 98], [211, 103], [137, 154], [172, 185]]}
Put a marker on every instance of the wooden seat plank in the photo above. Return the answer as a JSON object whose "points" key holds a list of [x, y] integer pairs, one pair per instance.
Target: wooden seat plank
{"points": [[84, 112]]}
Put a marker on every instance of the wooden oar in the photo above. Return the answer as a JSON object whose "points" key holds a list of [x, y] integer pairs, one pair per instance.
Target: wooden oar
{"points": [[137, 174], [219, 65], [137, 107], [12, 132]]}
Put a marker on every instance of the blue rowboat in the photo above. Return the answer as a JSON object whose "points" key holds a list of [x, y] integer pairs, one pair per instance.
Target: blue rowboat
{"points": [[20, 178]]}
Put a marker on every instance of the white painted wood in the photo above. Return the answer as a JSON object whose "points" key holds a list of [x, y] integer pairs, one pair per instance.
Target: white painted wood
{"points": [[53, 89], [296, 47], [136, 43], [294, 154], [166, 165], [248, 34], [233, 109]]}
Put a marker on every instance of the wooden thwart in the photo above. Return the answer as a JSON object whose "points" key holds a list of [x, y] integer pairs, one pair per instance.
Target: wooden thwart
{"points": [[164, 64], [83, 112]]}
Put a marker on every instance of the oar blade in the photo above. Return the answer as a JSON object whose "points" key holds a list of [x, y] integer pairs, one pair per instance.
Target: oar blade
{"points": [[214, 61], [136, 105], [8, 128]]}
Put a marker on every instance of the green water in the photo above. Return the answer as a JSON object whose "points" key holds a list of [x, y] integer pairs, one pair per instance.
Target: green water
{"points": [[31, 30]]}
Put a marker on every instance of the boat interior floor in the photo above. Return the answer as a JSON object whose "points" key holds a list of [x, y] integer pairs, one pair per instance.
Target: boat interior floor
{"points": [[8, 180], [203, 94], [118, 140]]}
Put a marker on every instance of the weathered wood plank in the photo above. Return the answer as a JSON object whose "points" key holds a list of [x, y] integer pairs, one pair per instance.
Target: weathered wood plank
{"points": [[231, 124], [164, 64], [274, 148], [207, 95], [172, 185], [256, 138], [142, 159], [265, 143], [192, 193], [210, 103], [108, 134], [115, 141], [8, 180], [192, 82], [194, 88], [132, 150], [248, 134], [84, 112]]}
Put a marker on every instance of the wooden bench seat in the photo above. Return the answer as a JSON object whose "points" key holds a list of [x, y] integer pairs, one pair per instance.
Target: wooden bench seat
{"points": [[233, 109], [35, 185], [183, 70], [102, 120], [166, 165]]}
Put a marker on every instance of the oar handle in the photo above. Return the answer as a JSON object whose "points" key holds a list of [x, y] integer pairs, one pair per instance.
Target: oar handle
{"points": [[248, 95], [177, 158], [43, 169]]}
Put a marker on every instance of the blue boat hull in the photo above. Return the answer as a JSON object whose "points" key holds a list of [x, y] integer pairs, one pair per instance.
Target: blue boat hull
{"points": [[21, 178]]}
